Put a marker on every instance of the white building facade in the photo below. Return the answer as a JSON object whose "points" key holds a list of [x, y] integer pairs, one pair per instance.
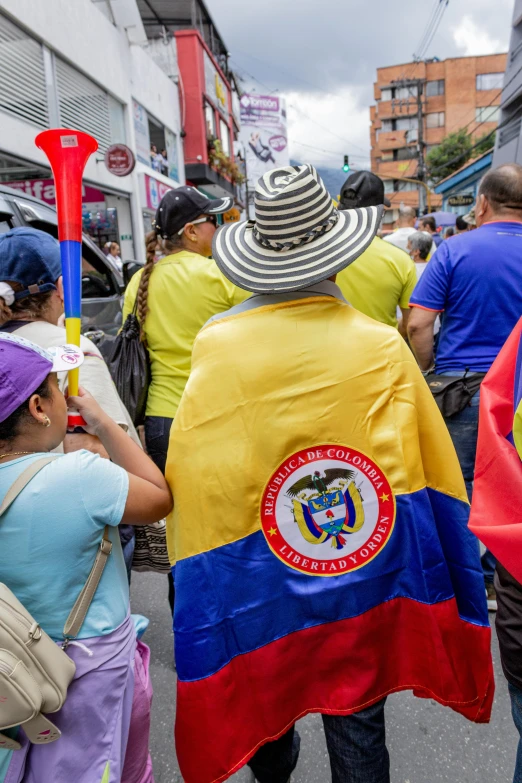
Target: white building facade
{"points": [[88, 65]]}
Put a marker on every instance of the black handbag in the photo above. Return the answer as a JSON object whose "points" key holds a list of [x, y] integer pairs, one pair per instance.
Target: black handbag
{"points": [[129, 366], [454, 393]]}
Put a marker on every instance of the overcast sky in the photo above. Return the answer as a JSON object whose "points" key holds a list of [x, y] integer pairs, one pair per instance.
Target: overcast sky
{"points": [[323, 55]]}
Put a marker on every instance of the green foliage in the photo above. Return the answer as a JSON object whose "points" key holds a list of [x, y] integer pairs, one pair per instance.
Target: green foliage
{"points": [[484, 144], [449, 155]]}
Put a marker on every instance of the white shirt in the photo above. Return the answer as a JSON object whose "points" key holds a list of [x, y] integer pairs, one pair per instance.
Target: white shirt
{"points": [[94, 373], [400, 237]]}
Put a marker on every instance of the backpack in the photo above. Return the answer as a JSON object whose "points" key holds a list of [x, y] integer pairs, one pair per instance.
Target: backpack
{"points": [[34, 671]]}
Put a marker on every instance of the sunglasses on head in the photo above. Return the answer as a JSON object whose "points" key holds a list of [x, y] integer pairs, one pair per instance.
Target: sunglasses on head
{"points": [[208, 219]]}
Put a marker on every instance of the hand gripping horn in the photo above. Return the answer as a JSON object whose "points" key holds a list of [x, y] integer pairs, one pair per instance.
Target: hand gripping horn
{"points": [[68, 152]]}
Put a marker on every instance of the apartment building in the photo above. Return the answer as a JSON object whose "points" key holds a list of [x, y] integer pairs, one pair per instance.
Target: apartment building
{"points": [[508, 148], [421, 103]]}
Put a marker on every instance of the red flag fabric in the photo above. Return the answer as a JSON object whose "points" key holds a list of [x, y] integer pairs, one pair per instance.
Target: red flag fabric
{"points": [[496, 517]]}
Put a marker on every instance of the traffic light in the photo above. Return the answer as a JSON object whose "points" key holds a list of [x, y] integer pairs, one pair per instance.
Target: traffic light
{"points": [[346, 164]]}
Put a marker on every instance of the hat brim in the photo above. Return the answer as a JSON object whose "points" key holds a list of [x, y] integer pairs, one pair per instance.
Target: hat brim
{"points": [[387, 202], [65, 357], [218, 206], [254, 267]]}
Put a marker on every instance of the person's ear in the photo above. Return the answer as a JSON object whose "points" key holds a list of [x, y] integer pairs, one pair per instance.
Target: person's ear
{"points": [[481, 207], [37, 408], [190, 232], [59, 288]]}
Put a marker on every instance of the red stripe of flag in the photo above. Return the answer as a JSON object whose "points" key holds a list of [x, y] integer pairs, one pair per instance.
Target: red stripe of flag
{"points": [[259, 695], [496, 518]]}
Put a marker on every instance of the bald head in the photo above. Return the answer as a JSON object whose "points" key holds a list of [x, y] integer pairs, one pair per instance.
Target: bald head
{"points": [[407, 217], [500, 194]]}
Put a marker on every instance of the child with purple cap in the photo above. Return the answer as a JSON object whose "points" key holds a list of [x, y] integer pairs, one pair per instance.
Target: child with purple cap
{"points": [[48, 542]]}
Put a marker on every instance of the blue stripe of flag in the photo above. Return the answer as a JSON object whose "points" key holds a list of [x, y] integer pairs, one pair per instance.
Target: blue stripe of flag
{"points": [[247, 597]]}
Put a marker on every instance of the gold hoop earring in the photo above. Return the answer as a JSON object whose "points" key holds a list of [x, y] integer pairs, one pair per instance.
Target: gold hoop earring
{"points": [[46, 422]]}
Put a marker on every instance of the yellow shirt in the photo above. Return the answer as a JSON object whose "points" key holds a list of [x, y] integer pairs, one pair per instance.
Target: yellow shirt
{"points": [[379, 281], [185, 290]]}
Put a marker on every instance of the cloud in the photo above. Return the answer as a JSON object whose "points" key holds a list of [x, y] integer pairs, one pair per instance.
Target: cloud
{"points": [[326, 56], [324, 128], [472, 40]]}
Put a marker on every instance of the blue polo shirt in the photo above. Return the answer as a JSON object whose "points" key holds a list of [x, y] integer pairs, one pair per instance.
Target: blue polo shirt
{"points": [[475, 280]]}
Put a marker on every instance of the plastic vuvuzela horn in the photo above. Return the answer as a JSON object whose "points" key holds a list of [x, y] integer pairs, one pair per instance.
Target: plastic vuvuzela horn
{"points": [[68, 152]]}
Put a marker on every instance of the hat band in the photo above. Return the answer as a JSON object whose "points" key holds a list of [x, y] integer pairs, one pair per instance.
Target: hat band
{"points": [[317, 231]]}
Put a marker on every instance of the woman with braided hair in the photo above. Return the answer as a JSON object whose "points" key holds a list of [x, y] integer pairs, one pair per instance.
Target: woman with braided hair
{"points": [[176, 296]]}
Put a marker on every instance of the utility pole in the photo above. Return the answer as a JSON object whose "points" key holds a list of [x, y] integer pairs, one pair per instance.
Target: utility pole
{"points": [[409, 84], [421, 169]]}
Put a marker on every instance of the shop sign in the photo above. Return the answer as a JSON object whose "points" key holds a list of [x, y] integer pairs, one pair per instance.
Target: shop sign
{"points": [[462, 200], [264, 137], [141, 133], [171, 143], [154, 191], [120, 160], [44, 190], [215, 87]]}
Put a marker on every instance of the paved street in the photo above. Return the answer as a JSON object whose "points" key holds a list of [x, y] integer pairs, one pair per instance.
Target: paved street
{"points": [[428, 744]]}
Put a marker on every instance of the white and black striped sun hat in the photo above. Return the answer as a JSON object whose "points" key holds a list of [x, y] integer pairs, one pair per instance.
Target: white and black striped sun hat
{"points": [[298, 237]]}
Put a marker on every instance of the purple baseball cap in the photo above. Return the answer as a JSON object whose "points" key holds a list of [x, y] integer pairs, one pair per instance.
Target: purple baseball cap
{"points": [[25, 365]]}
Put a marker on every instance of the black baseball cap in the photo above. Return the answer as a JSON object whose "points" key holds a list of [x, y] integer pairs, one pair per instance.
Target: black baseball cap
{"points": [[363, 189], [182, 205]]}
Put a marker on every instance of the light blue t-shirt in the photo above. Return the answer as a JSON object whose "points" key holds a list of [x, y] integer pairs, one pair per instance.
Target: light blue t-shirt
{"points": [[50, 535]]}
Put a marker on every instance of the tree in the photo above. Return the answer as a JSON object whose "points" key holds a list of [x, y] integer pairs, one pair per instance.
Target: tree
{"points": [[484, 144], [448, 156]]}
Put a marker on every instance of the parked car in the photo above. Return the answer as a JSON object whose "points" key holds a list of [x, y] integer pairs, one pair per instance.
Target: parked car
{"points": [[103, 284]]}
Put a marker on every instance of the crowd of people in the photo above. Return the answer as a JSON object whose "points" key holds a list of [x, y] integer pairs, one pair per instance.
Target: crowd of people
{"points": [[310, 435]]}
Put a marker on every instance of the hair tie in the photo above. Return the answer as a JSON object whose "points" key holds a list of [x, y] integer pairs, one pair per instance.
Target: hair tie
{"points": [[7, 293]]}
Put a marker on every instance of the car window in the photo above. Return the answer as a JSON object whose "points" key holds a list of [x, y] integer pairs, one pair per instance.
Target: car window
{"points": [[97, 281]]}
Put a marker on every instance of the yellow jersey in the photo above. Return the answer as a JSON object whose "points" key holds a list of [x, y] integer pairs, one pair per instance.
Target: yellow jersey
{"points": [[379, 281], [185, 290]]}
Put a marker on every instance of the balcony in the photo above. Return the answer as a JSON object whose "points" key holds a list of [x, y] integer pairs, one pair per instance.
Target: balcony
{"points": [[391, 140]]}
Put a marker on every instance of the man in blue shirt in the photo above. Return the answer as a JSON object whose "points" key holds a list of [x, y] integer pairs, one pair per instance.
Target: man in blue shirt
{"points": [[475, 281]]}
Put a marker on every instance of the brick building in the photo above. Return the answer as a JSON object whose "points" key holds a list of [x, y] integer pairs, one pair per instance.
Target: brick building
{"points": [[454, 93]]}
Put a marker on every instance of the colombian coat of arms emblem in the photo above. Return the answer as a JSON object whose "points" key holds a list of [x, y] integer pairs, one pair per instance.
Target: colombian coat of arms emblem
{"points": [[327, 510]]}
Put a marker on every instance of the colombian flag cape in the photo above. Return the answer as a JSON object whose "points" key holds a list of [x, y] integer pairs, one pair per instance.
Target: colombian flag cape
{"points": [[323, 558], [495, 515]]}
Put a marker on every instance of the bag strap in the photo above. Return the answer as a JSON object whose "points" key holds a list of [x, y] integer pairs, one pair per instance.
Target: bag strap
{"points": [[79, 611], [21, 482]]}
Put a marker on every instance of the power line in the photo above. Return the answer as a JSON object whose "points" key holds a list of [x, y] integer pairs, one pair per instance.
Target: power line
{"points": [[333, 152]]}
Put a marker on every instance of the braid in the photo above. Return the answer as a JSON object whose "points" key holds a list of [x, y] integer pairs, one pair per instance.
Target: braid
{"points": [[151, 242]]}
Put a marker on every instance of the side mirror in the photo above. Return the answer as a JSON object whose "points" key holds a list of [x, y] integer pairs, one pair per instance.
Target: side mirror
{"points": [[129, 270]]}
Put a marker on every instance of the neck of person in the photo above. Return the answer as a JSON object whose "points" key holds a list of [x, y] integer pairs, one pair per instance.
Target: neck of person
{"points": [[504, 216], [19, 446]]}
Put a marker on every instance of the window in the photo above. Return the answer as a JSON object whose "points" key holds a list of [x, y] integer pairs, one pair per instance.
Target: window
{"points": [[386, 125], [210, 120], [405, 153], [489, 81], [386, 156], [22, 87], [82, 104], [403, 93], [487, 113], [435, 119], [158, 144], [386, 94], [435, 88], [388, 185], [224, 135], [406, 123]]}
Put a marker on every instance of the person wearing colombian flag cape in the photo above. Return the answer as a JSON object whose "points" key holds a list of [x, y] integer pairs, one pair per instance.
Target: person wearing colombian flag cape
{"points": [[319, 533]]}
